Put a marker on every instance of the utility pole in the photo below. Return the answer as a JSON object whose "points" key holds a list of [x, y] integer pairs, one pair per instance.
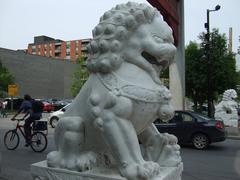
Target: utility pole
{"points": [[209, 70]]}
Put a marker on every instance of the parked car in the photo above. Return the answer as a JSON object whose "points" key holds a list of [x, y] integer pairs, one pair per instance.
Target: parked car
{"points": [[16, 103], [48, 107], [54, 116], [194, 128], [60, 104]]}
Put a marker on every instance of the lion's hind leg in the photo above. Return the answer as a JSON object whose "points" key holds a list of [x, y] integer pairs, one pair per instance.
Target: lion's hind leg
{"points": [[69, 138]]}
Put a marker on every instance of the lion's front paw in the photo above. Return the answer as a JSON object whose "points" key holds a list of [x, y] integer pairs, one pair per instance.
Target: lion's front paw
{"points": [[78, 162], [86, 161], [163, 148], [53, 159], [144, 171], [56, 159], [170, 152]]}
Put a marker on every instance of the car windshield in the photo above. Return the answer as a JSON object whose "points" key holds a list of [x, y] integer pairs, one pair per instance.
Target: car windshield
{"points": [[66, 107], [202, 116]]}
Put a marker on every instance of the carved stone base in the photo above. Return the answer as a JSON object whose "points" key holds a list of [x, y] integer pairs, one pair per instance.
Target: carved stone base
{"points": [[40, 171]]}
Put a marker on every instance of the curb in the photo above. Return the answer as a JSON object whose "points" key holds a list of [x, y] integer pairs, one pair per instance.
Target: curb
{"points": [[233, 137]]}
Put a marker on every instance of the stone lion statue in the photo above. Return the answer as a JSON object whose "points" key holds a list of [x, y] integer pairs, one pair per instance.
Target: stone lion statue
{"points": [[226, 110], [116, 107]]}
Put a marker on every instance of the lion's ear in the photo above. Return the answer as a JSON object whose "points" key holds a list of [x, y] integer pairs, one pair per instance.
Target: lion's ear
{"points": [[139, 16], [130, 22]]}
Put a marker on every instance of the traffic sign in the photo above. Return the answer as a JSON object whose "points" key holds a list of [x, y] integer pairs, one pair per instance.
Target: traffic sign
{"points": [[12, 90]]}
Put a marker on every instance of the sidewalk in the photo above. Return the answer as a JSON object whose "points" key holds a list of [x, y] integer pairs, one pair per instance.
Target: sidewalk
{"points": [[235, 137]]}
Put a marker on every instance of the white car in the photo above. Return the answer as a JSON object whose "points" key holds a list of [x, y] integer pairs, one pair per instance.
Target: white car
{"points": [[54, 117]]}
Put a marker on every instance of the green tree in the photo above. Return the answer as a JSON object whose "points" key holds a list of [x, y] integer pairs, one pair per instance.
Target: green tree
{"points": [[222, 63], [5, 79], [195, 75], [219, 71], [80, 76]]}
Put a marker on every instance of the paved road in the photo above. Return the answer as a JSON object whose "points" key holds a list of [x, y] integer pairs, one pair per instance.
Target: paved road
{"points": [[220, 162], [15, 165]]}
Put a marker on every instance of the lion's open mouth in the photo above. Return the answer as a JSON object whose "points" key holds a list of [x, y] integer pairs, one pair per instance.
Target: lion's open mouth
{"points": [[153, 60]]}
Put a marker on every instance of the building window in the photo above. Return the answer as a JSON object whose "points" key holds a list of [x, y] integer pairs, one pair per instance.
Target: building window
{"points": [[68, 45], [68, 48]]}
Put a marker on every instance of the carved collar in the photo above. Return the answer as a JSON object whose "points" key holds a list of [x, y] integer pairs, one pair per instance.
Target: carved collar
{"points": [[120, 87]]}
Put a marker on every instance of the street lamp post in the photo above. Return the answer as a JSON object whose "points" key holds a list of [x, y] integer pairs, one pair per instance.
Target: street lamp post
{"points": [[210, 83]]}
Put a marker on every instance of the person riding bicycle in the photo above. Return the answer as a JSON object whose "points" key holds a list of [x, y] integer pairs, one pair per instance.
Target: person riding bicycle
{"points": [[29, 108]]}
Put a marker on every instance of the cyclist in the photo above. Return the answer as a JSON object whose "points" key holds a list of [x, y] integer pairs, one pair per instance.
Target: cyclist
{"points": [[33, 115]]}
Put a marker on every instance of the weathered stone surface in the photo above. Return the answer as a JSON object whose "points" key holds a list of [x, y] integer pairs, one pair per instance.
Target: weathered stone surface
{"points": [[42, 171], [116, 107]]}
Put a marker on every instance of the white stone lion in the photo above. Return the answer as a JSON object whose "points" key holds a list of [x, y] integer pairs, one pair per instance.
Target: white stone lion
{"points": [[122, 97], [226, 110]]}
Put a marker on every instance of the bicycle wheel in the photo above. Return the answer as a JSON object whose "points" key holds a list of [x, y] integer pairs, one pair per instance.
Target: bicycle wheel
{"points": [[38, 142], [11, 139]]}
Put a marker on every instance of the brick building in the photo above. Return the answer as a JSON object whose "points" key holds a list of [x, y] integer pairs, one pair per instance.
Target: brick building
{"points": [[59, 49]]}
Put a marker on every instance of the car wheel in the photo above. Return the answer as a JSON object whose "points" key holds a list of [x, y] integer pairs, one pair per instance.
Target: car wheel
{"points": [[54, 121], [200, 141]]}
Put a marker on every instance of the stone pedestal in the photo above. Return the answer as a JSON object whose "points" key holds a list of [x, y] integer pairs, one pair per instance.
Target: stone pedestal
{"points": [[232, 131], [41, 171]]}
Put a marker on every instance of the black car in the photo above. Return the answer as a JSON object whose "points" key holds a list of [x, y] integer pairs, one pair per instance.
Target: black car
{"points": [[194, 128], [14, 102]]}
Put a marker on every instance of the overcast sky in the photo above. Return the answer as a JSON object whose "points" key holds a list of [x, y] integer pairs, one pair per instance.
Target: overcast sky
{"points": [[21, 20]]}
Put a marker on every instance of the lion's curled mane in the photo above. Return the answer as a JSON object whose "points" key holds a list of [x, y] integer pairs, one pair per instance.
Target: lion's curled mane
{"points": [[115, 27]]}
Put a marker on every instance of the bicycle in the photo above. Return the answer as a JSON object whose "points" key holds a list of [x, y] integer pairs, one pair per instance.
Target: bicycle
{"points": [[38, 138]]}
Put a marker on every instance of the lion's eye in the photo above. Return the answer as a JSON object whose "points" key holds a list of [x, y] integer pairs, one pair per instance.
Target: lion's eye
{"points": [[158, 39]]}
